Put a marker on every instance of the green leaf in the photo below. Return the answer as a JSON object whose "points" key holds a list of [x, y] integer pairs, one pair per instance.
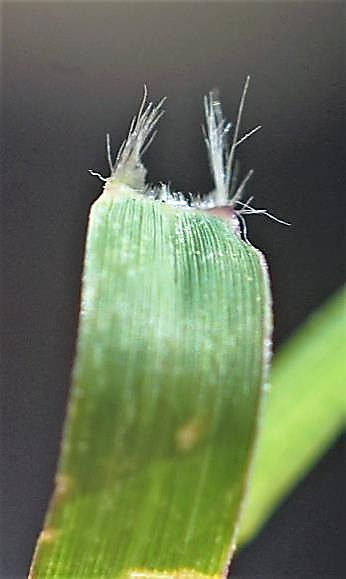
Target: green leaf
{"points": [[172, 355], [305, 413]]}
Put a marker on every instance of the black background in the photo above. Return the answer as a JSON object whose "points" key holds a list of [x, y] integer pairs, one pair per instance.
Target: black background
{"points": [[71, 72]]}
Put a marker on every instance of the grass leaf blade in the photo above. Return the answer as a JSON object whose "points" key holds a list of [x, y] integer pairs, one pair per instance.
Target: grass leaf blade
{"points": [[306, 411], [172, 356]]}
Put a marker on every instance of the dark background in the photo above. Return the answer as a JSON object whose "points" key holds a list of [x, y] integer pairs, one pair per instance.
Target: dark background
{"points": [[71, 72]]}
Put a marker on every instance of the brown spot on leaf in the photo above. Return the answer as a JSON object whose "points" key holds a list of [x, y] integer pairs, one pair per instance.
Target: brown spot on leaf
{"points": [[189, 434], [48, 535], [63, 484], [174, 574]]}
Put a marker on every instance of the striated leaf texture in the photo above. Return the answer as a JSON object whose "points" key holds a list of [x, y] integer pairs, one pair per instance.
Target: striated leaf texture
{"points": [[171, 366]]}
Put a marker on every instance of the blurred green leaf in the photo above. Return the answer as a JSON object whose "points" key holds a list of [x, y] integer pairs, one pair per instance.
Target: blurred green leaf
{"points": [[172, 357], [305, 412]]}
